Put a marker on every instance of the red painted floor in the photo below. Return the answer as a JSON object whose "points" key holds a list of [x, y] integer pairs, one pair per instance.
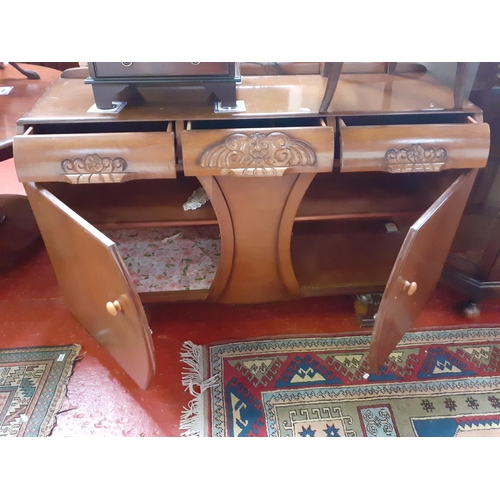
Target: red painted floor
{"points": [[103, 401]]}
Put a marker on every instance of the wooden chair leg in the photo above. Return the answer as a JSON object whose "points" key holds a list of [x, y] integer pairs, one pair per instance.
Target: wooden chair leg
{"points": [[463, 69], [391, 67], [28, 73], [332, 71]]}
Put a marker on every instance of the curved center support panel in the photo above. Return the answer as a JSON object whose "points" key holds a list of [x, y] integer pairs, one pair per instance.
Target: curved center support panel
{"points": [[256, 217]]}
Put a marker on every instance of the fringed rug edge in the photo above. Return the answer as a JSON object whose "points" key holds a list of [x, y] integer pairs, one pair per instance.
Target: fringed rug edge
{"points": [[56, 404], [193, 379], [195, 417]]}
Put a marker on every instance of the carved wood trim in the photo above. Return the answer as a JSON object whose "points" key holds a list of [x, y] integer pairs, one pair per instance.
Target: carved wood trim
{"points": [[255, 172], [416, 158], [258, 154], [226, 225], [94, 168]]}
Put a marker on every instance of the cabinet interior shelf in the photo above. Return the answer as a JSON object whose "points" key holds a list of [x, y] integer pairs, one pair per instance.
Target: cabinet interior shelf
{"points": [[334, 196], [344, 257]]}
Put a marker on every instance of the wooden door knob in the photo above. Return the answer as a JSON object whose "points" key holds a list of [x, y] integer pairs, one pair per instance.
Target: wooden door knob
{"points": [[113, 307], [410, 288]]}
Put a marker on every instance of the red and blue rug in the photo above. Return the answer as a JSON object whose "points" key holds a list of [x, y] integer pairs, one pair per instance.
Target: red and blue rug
{"points": [[435, 383]]}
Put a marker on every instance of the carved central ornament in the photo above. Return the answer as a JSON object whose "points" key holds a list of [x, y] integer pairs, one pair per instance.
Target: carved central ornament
{"points": [[258, 154], [416, 154], [418, 157], [94, 166]]}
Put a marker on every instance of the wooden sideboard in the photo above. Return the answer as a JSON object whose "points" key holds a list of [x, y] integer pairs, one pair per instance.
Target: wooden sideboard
{"points": [[363, 198]]}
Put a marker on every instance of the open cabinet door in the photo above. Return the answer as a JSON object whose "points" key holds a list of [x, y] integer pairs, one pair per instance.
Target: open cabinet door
{"points": [[95, 284], [417, 269]]}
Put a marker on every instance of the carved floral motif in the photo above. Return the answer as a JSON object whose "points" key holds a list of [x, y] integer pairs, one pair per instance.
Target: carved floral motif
{"points": [[416, 154], [258, 154], [94, 165], [416, 158]]}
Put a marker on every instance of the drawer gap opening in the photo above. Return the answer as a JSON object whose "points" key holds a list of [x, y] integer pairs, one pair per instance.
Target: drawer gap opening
{"points": [[101, 128], [257, 123], [427, 118]]}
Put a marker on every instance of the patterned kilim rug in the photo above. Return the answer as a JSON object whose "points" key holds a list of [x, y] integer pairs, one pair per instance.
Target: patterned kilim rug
{"points": [[32, 388], [436, 383]]}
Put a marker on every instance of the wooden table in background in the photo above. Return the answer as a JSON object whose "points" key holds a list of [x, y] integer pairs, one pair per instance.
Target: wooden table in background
{"points": [[19, 234]]}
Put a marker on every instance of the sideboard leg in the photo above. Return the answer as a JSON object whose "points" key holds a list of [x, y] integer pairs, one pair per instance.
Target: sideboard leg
{"points": [[256, 217]]}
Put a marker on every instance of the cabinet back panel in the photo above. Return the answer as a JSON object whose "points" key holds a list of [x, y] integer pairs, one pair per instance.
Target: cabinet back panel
{"points": [[135, 203]]}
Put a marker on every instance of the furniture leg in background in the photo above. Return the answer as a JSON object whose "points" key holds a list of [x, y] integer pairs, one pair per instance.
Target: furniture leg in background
{"points": [[332, 72], [473, 265]]}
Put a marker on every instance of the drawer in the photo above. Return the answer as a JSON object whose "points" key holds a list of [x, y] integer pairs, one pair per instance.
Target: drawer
{"points": [[258, 148], [407, 148], [159, 69], [85, 158]]}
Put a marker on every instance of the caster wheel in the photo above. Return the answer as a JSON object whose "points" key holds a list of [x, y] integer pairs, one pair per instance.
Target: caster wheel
{"points": [[470, 309]]}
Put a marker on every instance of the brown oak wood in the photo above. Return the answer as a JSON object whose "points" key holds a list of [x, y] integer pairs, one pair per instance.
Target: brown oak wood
{"points": [[304, 228], [69, 100], [420, 260], [95, 158], [414, 148], [333, 196], [144, 203], [258, 151], [256, 206], [91, 273], [225, 220], [22, 97], [177, 296], [331, 258], [371, 195], [285, 264]]}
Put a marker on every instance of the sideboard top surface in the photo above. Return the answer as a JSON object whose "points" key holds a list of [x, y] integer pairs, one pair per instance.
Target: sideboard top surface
{"points": [[69, 100]]}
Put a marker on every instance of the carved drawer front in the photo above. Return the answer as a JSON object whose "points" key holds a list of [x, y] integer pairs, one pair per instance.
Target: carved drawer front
{"points": [[413, 148], [95, 158], [258, 151]]}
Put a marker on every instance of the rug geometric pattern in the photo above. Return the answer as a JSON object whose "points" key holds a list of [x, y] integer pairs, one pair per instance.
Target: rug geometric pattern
{"points": [[436, 383], [32, 388]]}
